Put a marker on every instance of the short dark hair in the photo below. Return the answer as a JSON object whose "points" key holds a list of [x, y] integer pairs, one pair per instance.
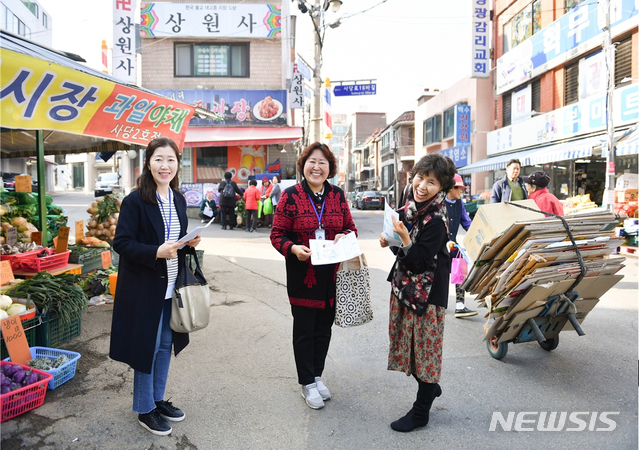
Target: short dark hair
{"points": [[513, 161], [253, 183], [328, 154], [146, 183], [228, 175], [442, 167]]}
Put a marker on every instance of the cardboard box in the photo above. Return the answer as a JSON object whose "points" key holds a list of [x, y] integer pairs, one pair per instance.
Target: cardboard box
{"points": [[626, 195], [627, 181], [492, 219]]}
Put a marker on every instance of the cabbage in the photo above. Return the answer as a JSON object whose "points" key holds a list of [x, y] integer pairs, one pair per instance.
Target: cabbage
{"points": [[3, 314], [5, 301], [16, 308]]}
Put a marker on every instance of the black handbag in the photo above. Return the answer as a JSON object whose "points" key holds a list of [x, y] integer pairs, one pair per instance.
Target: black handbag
{"points": [[191, 304]]}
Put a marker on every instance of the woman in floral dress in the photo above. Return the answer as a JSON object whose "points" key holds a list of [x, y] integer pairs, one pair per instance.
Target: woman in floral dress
{"points": [[419, 285]]}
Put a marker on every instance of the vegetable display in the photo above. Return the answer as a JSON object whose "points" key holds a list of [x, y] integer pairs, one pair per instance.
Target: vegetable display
{"points": [[57, 294], [97, 282], [20, 209], [8, 308], [104, 218], [14, 377], [45, 363]]}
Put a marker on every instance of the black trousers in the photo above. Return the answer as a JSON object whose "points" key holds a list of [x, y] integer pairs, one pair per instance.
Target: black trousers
{"points": [[311, 338], [230, 210]]}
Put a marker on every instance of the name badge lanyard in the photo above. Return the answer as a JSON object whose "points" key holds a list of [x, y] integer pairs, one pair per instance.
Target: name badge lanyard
{"points": [[168, 226], [319, 233]]}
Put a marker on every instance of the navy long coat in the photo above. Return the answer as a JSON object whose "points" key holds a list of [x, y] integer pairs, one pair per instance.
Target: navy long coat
{"points": [[142, 281]]}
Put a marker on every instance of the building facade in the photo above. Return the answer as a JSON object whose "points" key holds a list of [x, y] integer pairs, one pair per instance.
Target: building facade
{"points": [[231, 58], [551, 84], [362, 125]]}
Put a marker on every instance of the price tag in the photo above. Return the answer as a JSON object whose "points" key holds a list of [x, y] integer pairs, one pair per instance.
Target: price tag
{"points": [[106, 258], [36, 236], [6, 272], [79, 231], [12, 236], [15, 340], [63, 240], [23, 183]]}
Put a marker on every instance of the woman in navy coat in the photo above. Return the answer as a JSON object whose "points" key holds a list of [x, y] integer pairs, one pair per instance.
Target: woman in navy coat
{"points": [[152, 219]]}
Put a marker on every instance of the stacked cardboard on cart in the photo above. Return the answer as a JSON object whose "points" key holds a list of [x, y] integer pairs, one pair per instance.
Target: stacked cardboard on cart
{"points": [[516, 271]]}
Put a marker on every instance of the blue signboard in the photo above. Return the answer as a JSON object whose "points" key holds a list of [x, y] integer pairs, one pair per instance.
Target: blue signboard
{"points": [[346, 90], [462, 125], [555, 43], [246, 107], [458, 154]]}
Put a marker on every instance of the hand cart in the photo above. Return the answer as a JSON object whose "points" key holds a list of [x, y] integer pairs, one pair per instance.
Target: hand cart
{"points": [[544, 328]]}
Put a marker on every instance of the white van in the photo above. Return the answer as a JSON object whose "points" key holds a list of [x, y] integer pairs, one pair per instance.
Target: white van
{"points": [[105, 182]]}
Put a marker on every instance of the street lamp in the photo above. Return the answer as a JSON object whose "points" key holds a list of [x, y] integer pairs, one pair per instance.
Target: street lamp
{"points": [[316, 11]]}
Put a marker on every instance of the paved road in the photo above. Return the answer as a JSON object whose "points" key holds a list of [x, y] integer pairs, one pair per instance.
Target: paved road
{"points": [[237, 384]]}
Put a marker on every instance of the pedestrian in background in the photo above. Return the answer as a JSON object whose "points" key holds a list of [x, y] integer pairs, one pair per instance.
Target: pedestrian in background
{"points": [[251, 199], [228, 199], [152, 221], [457, 216], [266, 209], [537, 185], [511, 187], [419, 285], [208, 208], [312, 209], [276, 192]]}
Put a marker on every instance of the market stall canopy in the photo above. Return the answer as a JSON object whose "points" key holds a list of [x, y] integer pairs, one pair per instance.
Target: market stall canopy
{"points": [[84, 110], [220, 136]]}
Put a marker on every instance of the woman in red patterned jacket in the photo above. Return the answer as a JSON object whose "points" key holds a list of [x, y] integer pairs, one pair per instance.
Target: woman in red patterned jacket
{"points": [[312, 209]]}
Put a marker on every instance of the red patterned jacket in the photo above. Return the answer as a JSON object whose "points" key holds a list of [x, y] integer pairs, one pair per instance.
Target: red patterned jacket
{"points": [[295, 223]]}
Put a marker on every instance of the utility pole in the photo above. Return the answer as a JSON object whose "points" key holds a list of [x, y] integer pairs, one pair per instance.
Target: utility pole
{"points": [[609, 56], [316, 114]]}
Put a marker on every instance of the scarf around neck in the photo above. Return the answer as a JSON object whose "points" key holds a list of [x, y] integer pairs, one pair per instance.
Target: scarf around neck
{"points": [[413, 289]]}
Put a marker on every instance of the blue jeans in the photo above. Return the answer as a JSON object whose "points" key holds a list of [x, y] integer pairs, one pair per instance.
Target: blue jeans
{"points": [[149, 388]]}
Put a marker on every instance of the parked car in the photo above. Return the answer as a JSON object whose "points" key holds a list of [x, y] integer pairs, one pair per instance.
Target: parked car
{"points": [[105, 182], [9, 181], [355, 199], [370, 200]]}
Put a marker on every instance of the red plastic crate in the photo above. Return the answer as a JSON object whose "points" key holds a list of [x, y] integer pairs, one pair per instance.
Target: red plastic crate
{"points": [[15, 259], [24, 399], [35, 264]]}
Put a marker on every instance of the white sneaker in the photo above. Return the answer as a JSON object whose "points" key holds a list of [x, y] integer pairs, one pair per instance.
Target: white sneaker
{"points": [[312, 396], [322, 389]]}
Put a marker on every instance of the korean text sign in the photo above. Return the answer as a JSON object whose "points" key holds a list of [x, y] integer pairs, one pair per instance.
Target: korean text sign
{"points": [[124, 40], [36, 94], [160, 20], [480, 35]]}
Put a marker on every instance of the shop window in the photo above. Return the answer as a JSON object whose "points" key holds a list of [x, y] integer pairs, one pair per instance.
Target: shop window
{"points": [[45, 21], [571, 84], [523, 25], [433, 129], [623, 62], [506, 101], [449, 122], [205, 60], [535, 95], [212, 156]]}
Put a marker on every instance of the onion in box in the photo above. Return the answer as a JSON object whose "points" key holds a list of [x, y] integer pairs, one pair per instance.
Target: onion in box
{"points": [[15, 309], [5, 301]]}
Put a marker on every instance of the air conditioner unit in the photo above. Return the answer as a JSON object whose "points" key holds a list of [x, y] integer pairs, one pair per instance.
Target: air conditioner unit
{"points": [[393, 144]]}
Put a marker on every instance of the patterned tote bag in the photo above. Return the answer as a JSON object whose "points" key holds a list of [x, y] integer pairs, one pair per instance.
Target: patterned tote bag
{"points": [[353, 304]]}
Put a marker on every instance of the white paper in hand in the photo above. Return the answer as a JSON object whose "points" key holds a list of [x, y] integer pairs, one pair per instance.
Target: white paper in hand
{"points": [[391, 237], [194, 233], [325, 252]]}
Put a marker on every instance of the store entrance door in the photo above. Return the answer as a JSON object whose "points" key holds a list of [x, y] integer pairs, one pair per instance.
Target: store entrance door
{"points": [[78, 176], [590, 178]]}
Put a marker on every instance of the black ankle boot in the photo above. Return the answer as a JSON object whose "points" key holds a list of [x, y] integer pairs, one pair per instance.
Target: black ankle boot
{"points": [[419, 414]]}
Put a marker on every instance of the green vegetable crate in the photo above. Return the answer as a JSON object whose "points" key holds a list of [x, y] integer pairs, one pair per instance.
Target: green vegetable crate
{"points": [[60, 374], [89, 257], [29, 327], [52, 332]]}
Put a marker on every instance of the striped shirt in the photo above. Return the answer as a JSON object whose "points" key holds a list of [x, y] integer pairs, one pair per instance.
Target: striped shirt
{"points": [[168, 211]]}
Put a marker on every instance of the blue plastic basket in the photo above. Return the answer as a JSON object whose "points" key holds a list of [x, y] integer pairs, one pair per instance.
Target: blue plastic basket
{"points": [[61, 374]]}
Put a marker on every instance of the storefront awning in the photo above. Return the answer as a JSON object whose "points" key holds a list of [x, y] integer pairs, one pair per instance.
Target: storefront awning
{"points": [[495, 162], [628, 146], [581, 148], [225, 136]]}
